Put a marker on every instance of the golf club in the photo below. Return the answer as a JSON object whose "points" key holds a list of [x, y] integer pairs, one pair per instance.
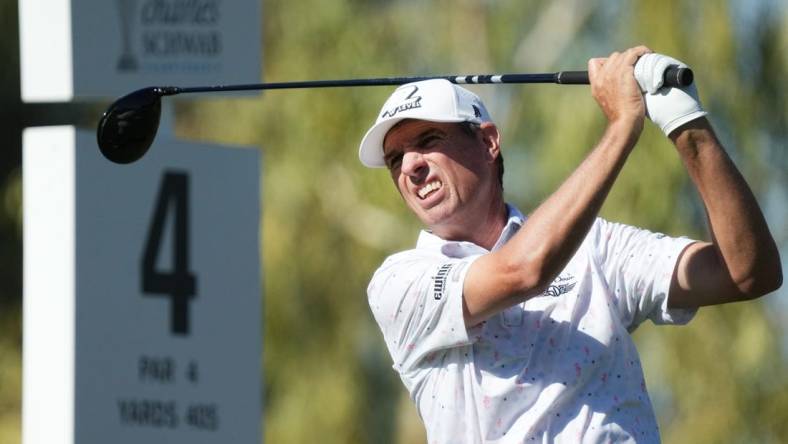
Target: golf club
{"points": [[128, 127]]}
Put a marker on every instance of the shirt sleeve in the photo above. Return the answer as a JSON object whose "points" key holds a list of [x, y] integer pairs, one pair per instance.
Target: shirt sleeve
{"points": [[638, 265], [417, 302]]}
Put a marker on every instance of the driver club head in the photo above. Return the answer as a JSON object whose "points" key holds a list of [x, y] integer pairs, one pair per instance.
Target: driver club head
{"points": [[128, 127]]}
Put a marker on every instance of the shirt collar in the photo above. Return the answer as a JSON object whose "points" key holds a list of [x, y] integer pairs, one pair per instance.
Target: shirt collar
{"points": [[461, 249]]}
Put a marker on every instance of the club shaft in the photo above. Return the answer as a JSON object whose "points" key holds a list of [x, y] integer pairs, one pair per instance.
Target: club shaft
{"points": [[382, 81], [673, 77]]}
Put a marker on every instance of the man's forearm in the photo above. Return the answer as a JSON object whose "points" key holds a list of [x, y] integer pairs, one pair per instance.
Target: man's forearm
{"points": [[561, 222], [552, 232], [739, 231]]}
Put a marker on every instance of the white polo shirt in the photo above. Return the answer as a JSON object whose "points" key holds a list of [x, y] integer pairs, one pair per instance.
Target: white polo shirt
{"points": [[560, 367]]}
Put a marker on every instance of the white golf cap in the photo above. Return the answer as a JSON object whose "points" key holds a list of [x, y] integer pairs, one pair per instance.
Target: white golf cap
{"points": [[434, 100]]}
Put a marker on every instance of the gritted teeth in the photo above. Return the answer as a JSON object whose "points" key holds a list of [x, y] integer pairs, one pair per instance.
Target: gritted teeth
{"points": [[429, 188]]}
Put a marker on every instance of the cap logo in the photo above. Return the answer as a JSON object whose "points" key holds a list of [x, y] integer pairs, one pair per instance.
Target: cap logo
{"points": [[476, 111], [410, 102]]}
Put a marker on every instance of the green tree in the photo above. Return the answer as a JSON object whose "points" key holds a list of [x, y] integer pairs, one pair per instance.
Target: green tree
{"points": [[328, 222]]}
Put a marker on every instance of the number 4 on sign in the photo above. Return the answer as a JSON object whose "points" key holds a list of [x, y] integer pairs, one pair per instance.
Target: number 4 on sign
{"points": [[178, 284]]}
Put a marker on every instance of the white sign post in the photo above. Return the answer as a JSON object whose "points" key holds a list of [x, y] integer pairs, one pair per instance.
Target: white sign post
{"points": [[142, 293], [88, 49]]}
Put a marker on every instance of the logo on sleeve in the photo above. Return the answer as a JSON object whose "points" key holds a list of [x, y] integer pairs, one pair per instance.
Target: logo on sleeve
{"points": [[440, 281]]}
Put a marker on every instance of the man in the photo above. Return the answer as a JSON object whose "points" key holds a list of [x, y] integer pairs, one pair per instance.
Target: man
{"points": [[513, 329]]}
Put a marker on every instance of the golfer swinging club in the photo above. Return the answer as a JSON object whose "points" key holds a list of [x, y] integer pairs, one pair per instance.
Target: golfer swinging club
{"points": [[508, 328]]}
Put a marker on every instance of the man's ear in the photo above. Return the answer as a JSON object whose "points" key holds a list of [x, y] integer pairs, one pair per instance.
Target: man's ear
{"points": [[492, 140]]}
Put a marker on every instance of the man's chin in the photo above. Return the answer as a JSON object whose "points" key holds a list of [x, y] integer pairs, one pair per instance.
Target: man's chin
{"points": [[433, 217]]}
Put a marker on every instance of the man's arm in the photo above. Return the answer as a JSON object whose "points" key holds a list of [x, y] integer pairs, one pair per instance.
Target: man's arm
{"points": [[742, 261], [540, 250]]}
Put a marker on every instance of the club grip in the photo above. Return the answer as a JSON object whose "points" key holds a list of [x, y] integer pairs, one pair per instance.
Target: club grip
{"points": [[673, 77]]}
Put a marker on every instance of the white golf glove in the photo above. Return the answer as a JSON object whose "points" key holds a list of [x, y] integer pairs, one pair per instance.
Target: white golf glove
{"points": [[668, 107]]}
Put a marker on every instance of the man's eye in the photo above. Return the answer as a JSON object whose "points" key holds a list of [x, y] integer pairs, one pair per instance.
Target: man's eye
{"points": [[394, 161], [430, 140]]}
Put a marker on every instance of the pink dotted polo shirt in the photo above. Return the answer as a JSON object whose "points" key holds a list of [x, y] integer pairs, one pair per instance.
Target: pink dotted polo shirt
{"points": [[560, 367]]}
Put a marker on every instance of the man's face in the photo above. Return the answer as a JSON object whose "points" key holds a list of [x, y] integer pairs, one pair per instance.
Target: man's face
{"points": [[445, 175]]}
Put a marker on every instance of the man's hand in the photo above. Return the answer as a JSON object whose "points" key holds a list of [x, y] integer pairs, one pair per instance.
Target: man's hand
{"points": [[668, 107], [614, 88]]}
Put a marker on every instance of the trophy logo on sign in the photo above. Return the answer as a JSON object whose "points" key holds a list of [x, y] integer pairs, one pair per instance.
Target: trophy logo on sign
{"points": [[126, 9]]}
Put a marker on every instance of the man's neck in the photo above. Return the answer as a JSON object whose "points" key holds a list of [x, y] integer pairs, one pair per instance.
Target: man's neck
{"points": [[483, 231]]}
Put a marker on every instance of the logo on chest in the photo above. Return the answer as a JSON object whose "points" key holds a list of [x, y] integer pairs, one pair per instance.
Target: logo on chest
{"points": [[563, 284]]}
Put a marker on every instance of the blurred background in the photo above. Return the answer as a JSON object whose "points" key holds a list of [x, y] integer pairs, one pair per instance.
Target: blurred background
{"points": [[328, 222]]}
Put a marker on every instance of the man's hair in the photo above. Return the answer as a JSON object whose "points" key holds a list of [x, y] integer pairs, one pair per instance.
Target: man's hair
{"points": [[470, 129]]}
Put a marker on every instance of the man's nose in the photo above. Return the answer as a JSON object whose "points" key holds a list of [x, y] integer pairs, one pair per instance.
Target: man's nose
{"points": [[414, 165]]}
